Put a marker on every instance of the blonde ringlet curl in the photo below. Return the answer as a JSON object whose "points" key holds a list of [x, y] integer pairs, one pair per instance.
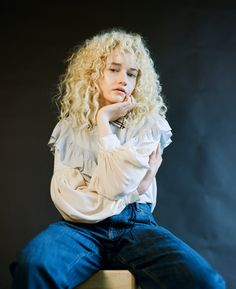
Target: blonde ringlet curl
{"points": [[78, 96]]}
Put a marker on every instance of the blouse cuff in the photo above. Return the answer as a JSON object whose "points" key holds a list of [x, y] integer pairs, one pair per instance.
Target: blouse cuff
{"points": [[109, 142]]}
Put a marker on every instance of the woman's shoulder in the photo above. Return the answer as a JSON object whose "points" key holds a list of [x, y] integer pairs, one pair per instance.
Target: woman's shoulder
{"points": [[151, 128], [67, 126], [155, 118], [66, 131], [152, 120], [76, 147]]}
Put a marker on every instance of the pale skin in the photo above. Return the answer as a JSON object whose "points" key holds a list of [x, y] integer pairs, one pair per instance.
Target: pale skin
{"points": [[117, 84]]}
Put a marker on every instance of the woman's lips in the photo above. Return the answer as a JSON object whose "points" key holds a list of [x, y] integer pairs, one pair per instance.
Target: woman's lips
{"points": [[119, 91]]}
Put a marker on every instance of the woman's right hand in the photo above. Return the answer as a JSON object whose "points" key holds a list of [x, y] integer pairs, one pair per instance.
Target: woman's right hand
{"points": [[118, 110]]}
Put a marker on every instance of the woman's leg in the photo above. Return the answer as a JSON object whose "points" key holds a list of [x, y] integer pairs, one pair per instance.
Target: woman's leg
{"points": [[160, 260], [62, 256]]}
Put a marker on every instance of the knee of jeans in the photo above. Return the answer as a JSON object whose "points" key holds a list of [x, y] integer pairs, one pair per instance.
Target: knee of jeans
{"points": [[209, 279], [214, 281], [24, 263], [28, 270], [28, 262]]}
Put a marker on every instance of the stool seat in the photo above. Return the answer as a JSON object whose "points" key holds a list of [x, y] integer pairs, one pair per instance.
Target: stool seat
{"points": [[110, 279]]}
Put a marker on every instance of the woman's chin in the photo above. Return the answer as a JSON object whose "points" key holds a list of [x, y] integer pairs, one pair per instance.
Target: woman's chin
{"points": [[117, 97]]}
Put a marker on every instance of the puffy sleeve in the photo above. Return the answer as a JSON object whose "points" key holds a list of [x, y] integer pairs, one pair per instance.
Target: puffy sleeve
{"points": [[121, 167], [72, 148], [165, 133], [73, 199]]}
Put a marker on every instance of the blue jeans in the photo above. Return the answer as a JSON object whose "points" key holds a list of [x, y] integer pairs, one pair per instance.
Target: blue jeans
{"points": [[66, 254]]}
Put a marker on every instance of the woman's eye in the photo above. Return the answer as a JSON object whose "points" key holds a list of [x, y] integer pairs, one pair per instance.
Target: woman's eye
{"points": [[131, 75], [113, 70]]}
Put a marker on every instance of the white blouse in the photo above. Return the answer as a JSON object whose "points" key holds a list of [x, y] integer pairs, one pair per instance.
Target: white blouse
{"points": [[96, 177]]}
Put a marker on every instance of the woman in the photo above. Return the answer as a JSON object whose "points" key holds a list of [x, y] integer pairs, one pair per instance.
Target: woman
{"points": [[108, 146]]}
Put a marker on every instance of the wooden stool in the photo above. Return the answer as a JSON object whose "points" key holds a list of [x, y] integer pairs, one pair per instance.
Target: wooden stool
{"points": [[110, 279]]}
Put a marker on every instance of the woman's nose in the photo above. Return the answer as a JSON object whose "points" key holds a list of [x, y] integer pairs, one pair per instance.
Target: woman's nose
{"points": [[123, 82], [122, 79]]}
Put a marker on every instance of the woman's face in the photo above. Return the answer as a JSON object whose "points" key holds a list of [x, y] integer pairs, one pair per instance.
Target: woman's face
{"points": [[119, 77]]}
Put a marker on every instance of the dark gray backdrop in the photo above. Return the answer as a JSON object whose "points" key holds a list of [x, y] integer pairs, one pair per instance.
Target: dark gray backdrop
{"points": [[193, 46]]}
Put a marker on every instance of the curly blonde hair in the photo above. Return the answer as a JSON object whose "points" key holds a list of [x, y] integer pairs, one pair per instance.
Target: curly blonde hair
{"points": [[79, 92]]}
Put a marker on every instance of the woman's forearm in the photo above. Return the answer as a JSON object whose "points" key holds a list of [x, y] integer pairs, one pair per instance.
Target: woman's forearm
{"points": [[103, 124], [146, 182]]}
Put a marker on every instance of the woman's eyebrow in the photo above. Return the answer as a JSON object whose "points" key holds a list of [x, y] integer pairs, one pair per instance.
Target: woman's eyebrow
{"points": [[134, 69], [119, 64], [115, 63]]}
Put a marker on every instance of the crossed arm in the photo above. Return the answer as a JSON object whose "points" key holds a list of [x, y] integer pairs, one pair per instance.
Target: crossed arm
{"points": [[115, 111]]}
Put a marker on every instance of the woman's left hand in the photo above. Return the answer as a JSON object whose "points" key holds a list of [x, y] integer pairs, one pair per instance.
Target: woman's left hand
{"points": [[155, 160]]}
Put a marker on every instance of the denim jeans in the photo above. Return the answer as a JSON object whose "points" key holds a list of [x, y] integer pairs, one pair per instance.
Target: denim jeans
{"points": [[65, 254]]}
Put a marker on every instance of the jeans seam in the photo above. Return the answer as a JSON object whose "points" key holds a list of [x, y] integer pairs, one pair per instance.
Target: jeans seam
{"points": [[73, 264]]}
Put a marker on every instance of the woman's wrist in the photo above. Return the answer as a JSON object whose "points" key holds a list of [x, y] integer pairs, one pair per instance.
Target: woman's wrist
{"points": [[104, 128], [146, 182]]}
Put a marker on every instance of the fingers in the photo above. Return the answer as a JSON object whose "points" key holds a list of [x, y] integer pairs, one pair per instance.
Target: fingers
{"points": [[128, 104], [129, 99], [156, 152], [152, 155], [158, 149], [155, 156]]}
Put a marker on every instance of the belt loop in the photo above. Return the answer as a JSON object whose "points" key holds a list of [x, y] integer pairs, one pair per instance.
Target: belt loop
{"points": [[137, 207]]}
